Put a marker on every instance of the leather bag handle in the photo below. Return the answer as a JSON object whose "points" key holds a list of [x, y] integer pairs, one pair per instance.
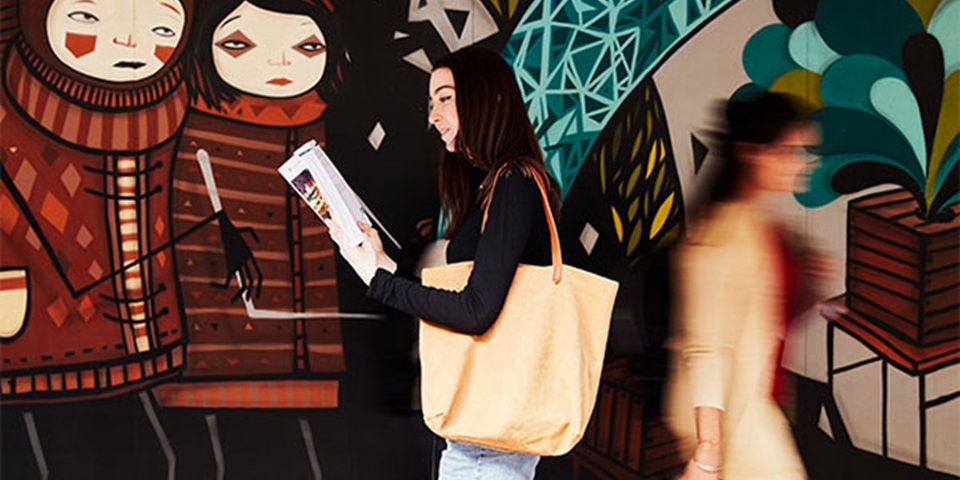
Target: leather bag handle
{"points": [[555, 254]]}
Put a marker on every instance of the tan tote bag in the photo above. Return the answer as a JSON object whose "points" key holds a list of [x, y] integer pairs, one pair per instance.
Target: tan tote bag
{"points": [[529, 383]]}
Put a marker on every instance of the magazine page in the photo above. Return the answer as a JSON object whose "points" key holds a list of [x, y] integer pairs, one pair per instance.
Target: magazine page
{"points": [[308, 172]]}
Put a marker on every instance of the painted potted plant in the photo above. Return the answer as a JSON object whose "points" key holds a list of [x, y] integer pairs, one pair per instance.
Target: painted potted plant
{"points": [[885, 90]]}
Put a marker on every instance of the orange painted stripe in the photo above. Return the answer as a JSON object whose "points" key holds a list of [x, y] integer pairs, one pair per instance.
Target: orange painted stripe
{"points": [[72, 382], [13, 283], [250, 394], [133, 372], [86, 379], [116, 376], [46, 110], [145, 122], [23, 384], [108, 130]]}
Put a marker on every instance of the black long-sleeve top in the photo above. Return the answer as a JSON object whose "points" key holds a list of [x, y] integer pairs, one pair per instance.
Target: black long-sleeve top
{"points": [[516, 232]]}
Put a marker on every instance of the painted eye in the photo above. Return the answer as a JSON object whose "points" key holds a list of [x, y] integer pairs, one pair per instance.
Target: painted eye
{"points": [[165, 32], [234, 45], [312, 47], [83, 17]]}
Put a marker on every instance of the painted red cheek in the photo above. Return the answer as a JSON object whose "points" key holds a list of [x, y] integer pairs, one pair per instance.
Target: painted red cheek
{"points": [[79, 44], [163, 52]]}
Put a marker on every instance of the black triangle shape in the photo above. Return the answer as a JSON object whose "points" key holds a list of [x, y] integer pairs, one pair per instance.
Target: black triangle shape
{"points": [[458, 19], [699, 152], [423, 3]]}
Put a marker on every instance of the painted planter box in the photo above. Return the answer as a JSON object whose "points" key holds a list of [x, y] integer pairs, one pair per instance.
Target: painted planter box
{"points": [[904, 272], [896, 399], [626, 438]]}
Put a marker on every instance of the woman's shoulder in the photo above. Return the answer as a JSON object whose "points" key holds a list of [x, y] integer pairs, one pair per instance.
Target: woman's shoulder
{"points": [[516, 176], [726, 223]]}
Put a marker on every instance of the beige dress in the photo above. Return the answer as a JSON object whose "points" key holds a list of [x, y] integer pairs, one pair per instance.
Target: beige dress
{"points": [[725, 341]]}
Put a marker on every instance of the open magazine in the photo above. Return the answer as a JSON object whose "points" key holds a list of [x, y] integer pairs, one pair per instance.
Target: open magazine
{"points": [[318, 182]]}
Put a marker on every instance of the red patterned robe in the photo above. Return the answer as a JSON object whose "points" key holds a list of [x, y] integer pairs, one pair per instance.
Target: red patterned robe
{"points": [[232, 359], [85, 262]]}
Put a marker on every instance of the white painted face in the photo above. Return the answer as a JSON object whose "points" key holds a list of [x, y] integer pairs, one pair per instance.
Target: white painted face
{"points": [[443, 107], [270, 54], [115, 40]]}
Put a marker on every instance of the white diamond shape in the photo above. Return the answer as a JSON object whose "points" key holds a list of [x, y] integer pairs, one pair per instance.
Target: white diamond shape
{"points": [[376, 136], [397, 35], [588, 237], [824, 423], [420, 60]]}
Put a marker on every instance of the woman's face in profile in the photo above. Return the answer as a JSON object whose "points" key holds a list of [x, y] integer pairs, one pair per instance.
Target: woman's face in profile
{"points": [[782, 165], [443, 107]]}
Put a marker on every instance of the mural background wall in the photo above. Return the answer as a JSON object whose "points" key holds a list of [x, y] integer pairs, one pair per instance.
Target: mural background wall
{"points": [[127, 349]]}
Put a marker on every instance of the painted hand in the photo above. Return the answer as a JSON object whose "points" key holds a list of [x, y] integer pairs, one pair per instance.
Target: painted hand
{"points": [[239, 259]]}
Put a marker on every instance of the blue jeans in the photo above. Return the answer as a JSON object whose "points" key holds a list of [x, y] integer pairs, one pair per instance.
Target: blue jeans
{"points": [[466, 461]]}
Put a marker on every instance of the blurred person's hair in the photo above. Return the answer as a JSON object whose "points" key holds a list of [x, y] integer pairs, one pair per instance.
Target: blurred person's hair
{"points": [[759, 118]]}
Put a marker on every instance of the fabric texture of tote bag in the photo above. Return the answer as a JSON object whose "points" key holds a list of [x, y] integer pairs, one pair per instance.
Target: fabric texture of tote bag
{"points": [[530, 382]]}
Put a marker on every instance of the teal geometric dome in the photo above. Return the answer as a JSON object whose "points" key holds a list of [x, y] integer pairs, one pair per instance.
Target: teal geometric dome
{"points": [[577, 60]]}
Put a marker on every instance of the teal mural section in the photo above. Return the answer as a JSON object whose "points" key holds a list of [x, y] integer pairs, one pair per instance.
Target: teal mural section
{"points": [[884, 86], [578, 60]]}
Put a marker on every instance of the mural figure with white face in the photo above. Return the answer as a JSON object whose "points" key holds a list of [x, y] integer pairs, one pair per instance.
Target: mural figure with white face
{"points": [[263, 71], [115, 40], [93, 97]]}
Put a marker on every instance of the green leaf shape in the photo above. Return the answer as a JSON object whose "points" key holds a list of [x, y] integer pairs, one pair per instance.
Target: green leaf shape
{"points": [[948, 130], [849, 80], [766, 56], [945, 26], [949, 190], [953, 200], [846, 131], [874, 27], [894, 99], [950, 160], [808, 49], [820, 190]]}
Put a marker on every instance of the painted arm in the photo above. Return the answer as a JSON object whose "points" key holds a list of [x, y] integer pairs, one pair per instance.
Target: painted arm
{"points": [[237, 255]]}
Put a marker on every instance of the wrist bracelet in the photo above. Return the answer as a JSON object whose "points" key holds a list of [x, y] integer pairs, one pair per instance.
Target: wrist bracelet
{"points": [[706, 468]]}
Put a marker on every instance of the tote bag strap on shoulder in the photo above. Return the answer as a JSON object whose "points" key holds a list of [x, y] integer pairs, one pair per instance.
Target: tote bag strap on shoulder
{"points": [[555, 254]]}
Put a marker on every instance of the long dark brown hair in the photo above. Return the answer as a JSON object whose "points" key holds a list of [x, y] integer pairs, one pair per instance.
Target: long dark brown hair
{"points": [[494, 131]]}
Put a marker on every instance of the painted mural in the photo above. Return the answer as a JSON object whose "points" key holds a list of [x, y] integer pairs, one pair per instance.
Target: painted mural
{"points": [[171, 310], [884, 93]]}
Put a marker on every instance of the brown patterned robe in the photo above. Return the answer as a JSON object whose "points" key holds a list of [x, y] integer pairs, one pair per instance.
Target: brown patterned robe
{"points": [[290, 360]]}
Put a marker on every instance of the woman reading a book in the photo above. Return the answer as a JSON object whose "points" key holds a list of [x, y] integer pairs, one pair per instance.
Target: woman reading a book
{"points": [[477, 109]]}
